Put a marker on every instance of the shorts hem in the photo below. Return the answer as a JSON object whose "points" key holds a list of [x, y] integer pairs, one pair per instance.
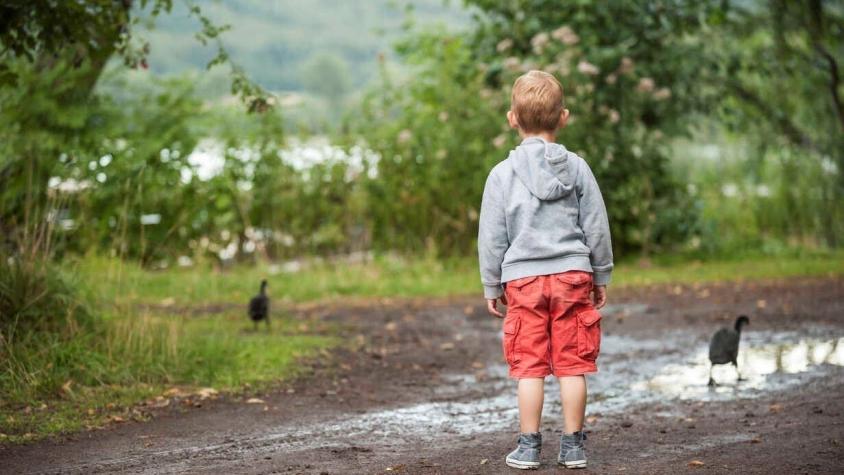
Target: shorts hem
{"points": [[576, 371], [530, 374]]}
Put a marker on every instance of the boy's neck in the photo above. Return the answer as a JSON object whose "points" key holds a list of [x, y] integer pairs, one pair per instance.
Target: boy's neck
{"points": [[546, 136]]}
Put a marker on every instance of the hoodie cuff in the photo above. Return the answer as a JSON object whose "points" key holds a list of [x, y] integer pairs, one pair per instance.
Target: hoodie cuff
{"points": [[601, 278], [493, 291]]}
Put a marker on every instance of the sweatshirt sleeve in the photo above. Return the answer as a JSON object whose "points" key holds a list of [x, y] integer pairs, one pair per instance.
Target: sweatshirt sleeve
{"points": [[595, 225], [492, 238]]}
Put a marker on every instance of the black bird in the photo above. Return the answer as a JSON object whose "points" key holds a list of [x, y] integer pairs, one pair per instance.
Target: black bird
{"points": [[259, 306], [724, 346]]}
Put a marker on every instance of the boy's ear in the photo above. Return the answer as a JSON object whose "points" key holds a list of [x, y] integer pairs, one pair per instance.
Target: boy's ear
{"points": [[564, 118], [512, 120]]}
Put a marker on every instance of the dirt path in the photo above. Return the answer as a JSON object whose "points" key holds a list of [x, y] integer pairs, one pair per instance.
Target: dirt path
{"points": [[424, 391]]}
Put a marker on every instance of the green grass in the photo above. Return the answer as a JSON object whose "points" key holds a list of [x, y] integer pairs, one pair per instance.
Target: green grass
{"points": [[690, 271], [395, 277], [52, 384], [187, 328]]}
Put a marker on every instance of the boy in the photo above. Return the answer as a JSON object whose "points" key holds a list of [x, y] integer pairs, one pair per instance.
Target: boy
{"points": [[544, 249]]}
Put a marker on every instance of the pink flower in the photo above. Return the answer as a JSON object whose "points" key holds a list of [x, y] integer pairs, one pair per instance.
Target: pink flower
{"points": [[626, 66], [662, 94], [587, 68], [405, 136], [504, 45], [539, 41], [646, 85], [565, 35]]}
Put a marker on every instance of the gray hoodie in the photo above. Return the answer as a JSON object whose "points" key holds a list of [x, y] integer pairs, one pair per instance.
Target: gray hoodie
{"points": [[542, 213]]}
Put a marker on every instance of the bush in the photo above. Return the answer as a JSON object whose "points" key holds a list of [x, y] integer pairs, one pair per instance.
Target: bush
{"points": [[35, 296]]}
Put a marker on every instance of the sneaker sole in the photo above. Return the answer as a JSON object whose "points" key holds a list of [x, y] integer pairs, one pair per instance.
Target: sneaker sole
{"points": [[575, 464], [521, 465]]}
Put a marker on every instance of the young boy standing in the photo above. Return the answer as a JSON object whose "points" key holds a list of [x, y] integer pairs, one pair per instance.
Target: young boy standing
{"points": [[544, 249]]}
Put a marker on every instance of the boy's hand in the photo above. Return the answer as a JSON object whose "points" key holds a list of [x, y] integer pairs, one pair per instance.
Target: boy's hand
{"points": [[492, 306], [599, 296]]}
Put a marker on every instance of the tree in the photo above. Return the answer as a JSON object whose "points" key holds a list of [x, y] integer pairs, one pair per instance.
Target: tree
{"points": [[328, 76], [776, 67], [51, 56]]}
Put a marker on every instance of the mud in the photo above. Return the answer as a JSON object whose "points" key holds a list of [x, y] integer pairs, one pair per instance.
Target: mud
{"points": [[422, 389]]}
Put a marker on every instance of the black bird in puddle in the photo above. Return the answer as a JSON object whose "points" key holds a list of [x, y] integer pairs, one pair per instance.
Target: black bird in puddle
{"points": [[724, 346], [259, 306]]}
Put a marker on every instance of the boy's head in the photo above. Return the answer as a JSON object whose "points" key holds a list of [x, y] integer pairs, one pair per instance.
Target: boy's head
{"points": [[536, 105]]}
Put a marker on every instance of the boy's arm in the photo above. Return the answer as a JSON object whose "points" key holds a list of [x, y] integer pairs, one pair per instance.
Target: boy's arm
{"points": [[492, 238], [595, 225]]}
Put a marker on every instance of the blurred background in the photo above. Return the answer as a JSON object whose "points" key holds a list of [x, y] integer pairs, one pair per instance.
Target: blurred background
{"points": [[160, 154]]}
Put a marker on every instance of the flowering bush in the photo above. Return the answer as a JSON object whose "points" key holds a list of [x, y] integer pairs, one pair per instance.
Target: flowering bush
{"points": [[625, 84]]}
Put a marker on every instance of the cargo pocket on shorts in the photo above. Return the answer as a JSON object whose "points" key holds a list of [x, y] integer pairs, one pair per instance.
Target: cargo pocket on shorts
{"points": [[511, 330], [576, 286], [588, 334], [520, 284]]}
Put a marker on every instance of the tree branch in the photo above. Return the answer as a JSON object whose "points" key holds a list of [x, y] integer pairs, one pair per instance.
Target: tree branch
{"points": [[815, 33], [787, 127]]}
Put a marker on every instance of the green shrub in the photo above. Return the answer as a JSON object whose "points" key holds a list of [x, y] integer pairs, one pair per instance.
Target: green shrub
{"points": [[37, 296]]}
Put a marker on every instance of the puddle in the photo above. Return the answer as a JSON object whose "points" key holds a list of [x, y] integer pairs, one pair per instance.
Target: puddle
{"points": [[763, 366], [633, 372]]}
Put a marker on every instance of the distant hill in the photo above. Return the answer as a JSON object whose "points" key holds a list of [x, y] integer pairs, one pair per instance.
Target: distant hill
{"points": [[274, 39]]}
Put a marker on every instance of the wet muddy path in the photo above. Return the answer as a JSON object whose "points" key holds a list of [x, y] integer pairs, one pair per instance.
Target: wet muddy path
{"points": [[422, 389]]}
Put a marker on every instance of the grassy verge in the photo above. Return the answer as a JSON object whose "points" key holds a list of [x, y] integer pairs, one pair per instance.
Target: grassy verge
{"points": [[187, 328], [53, 384]]}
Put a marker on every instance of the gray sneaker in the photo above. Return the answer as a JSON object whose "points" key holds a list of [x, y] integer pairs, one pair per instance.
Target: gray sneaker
{"points": [[572, 451], [526, 455]]}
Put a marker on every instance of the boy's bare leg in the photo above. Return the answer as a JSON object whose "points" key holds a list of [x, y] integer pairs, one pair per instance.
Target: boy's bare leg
{"points": [[573, 397], [531, 395]]}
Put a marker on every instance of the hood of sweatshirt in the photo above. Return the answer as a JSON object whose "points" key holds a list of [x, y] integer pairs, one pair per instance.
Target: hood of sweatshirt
{"points": [[544, 168]]}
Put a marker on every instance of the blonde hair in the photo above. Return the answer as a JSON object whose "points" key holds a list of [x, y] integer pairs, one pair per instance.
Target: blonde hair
{"points": [[537, 101]]}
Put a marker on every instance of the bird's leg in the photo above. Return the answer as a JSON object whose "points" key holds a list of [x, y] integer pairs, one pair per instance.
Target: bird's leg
{"points": [[256, 325], [268, 322], [737, 371], [711, 381]]}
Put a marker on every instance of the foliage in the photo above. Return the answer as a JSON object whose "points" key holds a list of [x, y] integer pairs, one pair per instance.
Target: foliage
{"points": [[432, 136], [638, 75], [45, 32], [626, 85], [777, 66], [37, 296]]}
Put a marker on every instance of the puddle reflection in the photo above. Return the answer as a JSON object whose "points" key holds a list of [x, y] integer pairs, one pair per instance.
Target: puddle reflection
{"points": [[759, 363]]}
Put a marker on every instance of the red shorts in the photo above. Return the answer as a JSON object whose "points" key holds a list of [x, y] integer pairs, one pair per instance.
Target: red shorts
{"points": [[551, 326]]}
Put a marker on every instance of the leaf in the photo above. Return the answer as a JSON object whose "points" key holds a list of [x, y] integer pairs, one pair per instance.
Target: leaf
{"points": [[254, 400], [205, 393], [696, 463]]}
